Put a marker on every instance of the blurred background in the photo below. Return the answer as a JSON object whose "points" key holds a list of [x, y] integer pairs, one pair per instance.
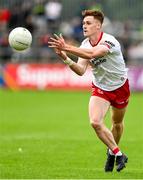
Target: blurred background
{"points": [[123, 19]]}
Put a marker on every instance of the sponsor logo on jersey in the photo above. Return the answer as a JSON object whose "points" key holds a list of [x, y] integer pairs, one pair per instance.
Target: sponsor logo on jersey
{"points": [[109, 44], [98, 61]]}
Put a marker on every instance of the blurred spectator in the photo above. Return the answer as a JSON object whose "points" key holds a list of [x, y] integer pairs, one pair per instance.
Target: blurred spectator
{"points": [[4, 18], [125, 39], [5, 50], [95, 6], [38, 8], [66, 28], [77, 28], [53, 9], [4, 15], [19, 14], [39, 19], [135, 53], [15, 17], [29, 24]]}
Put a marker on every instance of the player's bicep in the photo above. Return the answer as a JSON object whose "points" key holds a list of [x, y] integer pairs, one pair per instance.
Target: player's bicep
{"points": [[100, 51], [112, 45]]}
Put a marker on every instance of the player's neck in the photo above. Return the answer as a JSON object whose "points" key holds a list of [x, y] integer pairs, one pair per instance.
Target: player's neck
{"points": [[95, 38]]}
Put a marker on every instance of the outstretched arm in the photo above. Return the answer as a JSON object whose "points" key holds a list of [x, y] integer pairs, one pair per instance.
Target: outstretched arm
{"points": [[98, 51]]}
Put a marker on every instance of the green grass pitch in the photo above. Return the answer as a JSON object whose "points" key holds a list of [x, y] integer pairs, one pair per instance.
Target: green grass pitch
{"points": [[47, 135]]}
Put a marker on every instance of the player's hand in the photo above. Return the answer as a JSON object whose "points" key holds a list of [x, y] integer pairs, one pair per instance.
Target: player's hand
{"points": [[58, 42], [61, 54]]}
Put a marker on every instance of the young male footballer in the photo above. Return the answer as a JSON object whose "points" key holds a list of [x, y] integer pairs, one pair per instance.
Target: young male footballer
{"points": [[110, 85]]}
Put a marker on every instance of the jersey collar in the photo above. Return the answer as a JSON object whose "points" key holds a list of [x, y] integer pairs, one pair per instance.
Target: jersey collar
{"points": [[100, 37]]}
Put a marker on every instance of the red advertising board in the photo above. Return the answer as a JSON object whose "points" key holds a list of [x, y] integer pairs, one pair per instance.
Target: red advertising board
{"points": [[44, 76], [58, 76]]}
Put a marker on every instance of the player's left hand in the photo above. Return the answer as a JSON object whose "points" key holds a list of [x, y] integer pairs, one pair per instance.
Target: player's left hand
{"points": [[61, 54], [57, 42]]}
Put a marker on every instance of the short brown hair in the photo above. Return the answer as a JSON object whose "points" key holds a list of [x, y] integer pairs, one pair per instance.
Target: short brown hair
{"points": [[97, 14]]}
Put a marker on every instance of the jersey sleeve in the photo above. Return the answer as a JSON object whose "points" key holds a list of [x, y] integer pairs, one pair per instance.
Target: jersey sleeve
{"points": [[112, 44]]}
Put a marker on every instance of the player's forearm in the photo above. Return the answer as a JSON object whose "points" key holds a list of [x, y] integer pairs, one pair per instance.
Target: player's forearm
{"points": [[85, 53], [75, 67], [80, 52]]}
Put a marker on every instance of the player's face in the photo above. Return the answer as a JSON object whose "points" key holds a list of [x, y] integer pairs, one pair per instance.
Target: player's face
{"points": [[90, 26]]}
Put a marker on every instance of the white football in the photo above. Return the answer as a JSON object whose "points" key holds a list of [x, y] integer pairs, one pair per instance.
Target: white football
{"points": [[20, 38]]}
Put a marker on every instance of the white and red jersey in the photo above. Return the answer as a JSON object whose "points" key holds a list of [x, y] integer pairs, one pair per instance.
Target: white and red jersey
{"points": [[109, 71]]}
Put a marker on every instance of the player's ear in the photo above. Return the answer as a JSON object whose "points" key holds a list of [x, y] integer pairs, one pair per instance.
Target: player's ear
{"points": [[98, 25]]}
